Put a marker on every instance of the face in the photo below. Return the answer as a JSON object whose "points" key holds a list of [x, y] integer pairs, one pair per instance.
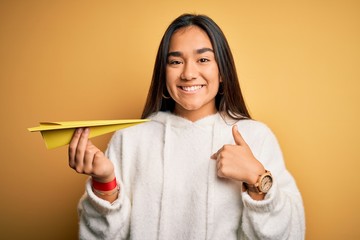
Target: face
{"points": [[192, 74]]}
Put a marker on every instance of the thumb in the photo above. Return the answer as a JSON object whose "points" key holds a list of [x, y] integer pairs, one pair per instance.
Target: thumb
{"points": [[237, 136]]}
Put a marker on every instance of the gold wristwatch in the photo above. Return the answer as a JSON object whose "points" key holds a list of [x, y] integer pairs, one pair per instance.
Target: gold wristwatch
{"points": [[262, 185]]}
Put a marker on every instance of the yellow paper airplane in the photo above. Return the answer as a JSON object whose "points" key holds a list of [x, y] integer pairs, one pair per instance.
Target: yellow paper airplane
{"points": [[58, 134]]}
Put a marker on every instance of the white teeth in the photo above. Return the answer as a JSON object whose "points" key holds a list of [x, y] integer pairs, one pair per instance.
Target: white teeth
{"points": [[192, 88]]}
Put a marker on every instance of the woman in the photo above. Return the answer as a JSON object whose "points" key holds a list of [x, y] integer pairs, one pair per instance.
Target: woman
{"points": [[201, 169]]}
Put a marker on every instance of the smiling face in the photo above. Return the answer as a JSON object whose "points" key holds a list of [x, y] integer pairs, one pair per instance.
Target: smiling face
{"points": [[192, 74]]}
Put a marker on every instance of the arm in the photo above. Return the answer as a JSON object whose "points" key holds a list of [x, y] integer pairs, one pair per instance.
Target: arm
{"points": [[278, 214], [103, 214], [281, 214]]}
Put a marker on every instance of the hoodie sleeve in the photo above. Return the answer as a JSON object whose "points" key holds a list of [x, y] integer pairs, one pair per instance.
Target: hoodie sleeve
{"points": [[281, 214], [100, 219]]}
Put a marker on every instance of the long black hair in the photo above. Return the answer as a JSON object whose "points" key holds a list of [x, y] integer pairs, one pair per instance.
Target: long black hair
{"points": [[229, 98]]}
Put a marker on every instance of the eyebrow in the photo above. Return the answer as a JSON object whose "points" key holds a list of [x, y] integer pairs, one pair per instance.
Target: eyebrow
{"points": [[198, 51]]}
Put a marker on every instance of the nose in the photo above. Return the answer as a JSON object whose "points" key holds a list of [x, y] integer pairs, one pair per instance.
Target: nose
{"points": [[190, 71]]}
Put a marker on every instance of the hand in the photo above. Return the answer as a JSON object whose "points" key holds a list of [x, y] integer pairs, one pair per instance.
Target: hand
{"points": [[86, 158], [237, 161]]}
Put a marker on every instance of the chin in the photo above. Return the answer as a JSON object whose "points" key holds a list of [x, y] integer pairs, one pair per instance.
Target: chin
{"points": [[190, 107]]}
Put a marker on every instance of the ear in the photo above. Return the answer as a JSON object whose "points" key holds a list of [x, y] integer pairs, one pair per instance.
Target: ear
{"points": [[221, 87]]}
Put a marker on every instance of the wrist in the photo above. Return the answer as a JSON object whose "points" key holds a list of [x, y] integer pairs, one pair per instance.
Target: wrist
{"points": [[262, 185], [104, 184], [254, 176], [257, 196], [104, 179], [106, 193]]}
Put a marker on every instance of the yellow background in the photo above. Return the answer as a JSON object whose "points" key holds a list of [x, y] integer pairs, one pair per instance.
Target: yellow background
{"points": [[298, 62]]}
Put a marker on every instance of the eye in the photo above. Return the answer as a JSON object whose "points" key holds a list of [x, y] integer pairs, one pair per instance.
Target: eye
{"points": [[203, 60], [174, 62]]}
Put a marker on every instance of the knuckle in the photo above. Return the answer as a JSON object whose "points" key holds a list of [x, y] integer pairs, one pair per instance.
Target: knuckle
{"points": [[78, 169], [226, 147], [220, 173], [79, 150], [71, 147], [88, 151], [71, 164], [87, 171], [222, 156], [99, 154]]}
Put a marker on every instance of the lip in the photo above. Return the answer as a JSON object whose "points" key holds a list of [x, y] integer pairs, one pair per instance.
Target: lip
{"points": [[192, 88]]}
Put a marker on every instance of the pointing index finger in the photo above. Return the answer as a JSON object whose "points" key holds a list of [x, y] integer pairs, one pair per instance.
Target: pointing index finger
{"points": [[215, 155]]}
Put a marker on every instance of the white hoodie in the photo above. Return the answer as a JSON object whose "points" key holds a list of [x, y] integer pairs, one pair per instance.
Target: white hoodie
{"points": [[169, 189]]}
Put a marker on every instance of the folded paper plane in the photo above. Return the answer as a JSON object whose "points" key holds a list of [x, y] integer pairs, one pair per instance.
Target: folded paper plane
{"points": [[58, 134]]}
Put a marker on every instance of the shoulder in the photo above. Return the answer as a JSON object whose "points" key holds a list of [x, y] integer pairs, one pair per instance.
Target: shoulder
{"points": [[147, 129], [245, 124], [255, 131], [249, 125]]}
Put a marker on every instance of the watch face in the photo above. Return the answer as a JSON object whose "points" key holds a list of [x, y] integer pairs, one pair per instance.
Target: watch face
{"points": [[266, 184]]}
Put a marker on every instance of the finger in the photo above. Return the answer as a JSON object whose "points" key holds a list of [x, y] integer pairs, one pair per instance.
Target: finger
{"points": [[237, 136], [218, 165], [89, 158], [73, 146], [220, 173], [80, 150], [216, 155]]}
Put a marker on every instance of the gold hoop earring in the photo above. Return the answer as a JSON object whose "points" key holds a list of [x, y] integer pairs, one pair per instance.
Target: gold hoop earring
{"points": [[163, 95]]}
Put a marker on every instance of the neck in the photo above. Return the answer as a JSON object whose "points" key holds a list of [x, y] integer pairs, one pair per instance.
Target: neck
{"points": [[194, 115]]}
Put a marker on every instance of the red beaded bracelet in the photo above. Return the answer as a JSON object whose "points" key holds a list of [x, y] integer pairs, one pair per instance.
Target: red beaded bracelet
{"points": [[104, 186]]}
